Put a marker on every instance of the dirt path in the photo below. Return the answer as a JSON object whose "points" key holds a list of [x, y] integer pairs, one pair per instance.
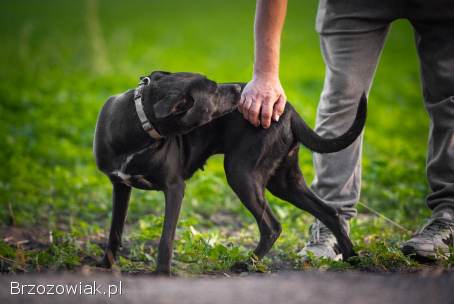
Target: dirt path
{"points": [[323, 288]]}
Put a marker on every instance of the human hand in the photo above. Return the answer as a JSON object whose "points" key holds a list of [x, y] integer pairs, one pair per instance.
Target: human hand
{"points": [[262, 99]]}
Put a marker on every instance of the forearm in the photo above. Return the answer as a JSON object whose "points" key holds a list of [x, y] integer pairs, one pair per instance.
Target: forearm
{"points": [[269, 21], [263, 98]]}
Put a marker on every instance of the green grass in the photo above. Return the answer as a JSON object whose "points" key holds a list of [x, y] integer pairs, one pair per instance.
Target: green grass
{"points": [[60, 60]]}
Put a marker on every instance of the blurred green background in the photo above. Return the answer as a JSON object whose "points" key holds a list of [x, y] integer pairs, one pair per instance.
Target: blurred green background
{"points": [[60, 60]]}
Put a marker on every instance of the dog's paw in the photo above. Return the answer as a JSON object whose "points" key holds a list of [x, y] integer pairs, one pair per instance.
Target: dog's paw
{"points": [[103, 263], [349, 254], [107, 261], [240, 267]]}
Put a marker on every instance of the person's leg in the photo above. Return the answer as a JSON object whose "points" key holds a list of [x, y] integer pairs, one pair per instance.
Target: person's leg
{"points": [[351, 37], [434, 39], [350, 64]]}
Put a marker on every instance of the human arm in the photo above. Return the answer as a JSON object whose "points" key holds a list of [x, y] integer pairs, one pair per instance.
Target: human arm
{"points": [[263, 98]]}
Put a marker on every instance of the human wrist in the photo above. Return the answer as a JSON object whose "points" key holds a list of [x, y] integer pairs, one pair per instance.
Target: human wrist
{"points": [[266, 76]]}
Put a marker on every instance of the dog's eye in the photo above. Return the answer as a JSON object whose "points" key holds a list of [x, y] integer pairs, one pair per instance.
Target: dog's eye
{"points": [[184, 105]]}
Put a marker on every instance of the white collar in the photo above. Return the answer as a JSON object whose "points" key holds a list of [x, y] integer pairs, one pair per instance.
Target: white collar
{"points": [[146, 124]]}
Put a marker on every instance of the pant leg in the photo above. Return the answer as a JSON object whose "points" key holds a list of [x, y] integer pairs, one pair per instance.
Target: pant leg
{"points": [[434, 34], [351, 43]]}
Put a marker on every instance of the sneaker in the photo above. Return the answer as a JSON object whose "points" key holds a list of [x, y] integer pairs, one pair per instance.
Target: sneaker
{"points": [[322, 244], [433, 240]]}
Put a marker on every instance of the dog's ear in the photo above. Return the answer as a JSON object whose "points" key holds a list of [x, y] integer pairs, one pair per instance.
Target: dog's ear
{"points": [[156, 75], [172, 105]]}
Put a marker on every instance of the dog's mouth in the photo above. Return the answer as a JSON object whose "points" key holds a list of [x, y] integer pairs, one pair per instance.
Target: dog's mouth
{"points": [[239, 91], [229, 98], [238, 88]]}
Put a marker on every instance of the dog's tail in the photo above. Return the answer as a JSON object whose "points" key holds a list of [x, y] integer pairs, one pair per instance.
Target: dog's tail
{"points": [[316, 143]]}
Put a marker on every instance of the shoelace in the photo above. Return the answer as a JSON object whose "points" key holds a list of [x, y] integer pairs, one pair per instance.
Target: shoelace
{"points": [[437, 225], [320, 233]]}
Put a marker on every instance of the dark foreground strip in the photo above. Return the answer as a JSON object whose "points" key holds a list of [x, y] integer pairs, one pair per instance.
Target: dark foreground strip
{"points": [[302, 287]]}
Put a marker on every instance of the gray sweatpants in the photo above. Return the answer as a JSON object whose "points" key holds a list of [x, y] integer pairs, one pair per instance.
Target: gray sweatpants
{"points": [[352, 34]]}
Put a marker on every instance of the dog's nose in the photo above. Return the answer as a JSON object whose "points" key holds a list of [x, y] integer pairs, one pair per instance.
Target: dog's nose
{"points": [[237, 88]]}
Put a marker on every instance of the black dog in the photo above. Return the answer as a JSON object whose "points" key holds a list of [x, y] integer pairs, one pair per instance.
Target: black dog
{"points": [[197, 118]]}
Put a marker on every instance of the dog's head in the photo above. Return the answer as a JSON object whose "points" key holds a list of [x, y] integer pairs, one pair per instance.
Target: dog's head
{"points": [[180, 102]]}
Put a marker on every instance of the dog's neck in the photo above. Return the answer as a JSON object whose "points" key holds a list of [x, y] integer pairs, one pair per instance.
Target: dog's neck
{"points": [[139, 96], [127, 132]]}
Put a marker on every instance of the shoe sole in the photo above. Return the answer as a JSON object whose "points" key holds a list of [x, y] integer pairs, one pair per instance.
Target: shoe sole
{"points": [[306, 257], [418, 254]]}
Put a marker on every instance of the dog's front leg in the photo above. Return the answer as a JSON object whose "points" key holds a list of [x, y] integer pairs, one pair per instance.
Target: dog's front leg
{"points": [[174, 196]]}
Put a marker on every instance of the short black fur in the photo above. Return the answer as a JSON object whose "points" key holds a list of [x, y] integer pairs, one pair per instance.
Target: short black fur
{"points": [[198, 118]]}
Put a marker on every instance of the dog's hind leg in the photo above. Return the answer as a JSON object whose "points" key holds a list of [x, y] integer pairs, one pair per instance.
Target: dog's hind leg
{"points": [[288, 184], [120, 199], [251, 193]]}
